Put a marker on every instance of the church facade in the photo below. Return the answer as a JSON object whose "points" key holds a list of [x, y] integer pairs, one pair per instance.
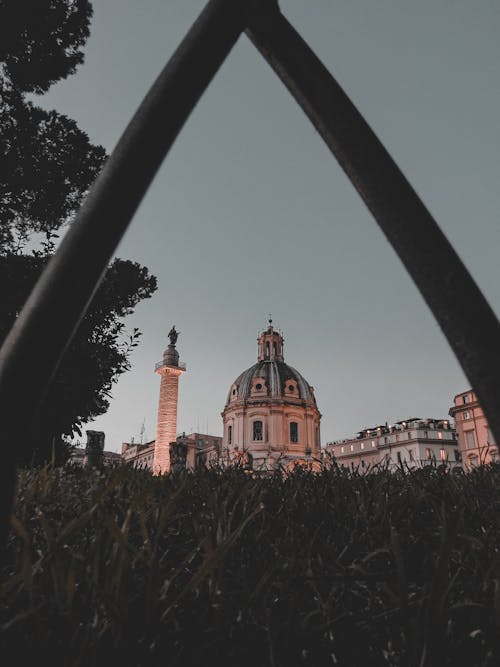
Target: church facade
{"points": [[270, 418]]}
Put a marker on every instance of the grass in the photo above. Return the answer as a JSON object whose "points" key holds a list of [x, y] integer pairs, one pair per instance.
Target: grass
{"points": [[217, 567]]}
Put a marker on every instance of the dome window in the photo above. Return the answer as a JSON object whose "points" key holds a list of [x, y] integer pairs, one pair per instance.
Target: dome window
{"points": [[294, 432], [291, 387], [259, 385], [257, 433]]}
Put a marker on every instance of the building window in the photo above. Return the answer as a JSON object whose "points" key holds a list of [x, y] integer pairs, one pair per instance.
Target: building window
{"points": [[341, 450], [258, 386], [373, 443], [491, 439], [400, 460], [352, 448], [291, 387], [428, 454], [440, 435], [466, 414], [267, 350], [362, 445], [465, 399], [229, 435], [469, 439], [442, 453], [294, 432], [457, 455], [362, 463], [412, 458], [257, 430]]}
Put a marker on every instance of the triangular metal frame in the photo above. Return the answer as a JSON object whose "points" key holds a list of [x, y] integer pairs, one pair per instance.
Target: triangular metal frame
{"points": [[31, 353]]}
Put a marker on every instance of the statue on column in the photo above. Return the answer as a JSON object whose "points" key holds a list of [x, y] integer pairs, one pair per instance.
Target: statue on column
{"points": [[173, 334]]}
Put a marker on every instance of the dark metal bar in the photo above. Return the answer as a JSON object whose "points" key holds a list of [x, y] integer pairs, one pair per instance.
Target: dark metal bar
{"points": [[458, 305], [31, 353]]}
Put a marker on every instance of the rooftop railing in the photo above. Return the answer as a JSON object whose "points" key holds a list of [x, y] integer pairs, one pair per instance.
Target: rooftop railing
{"points": [[57, 303], [161, 364]]}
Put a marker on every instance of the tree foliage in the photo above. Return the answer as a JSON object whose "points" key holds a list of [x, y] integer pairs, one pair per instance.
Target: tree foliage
{"points": [[47, 164], [98, 354], [41, 40]]}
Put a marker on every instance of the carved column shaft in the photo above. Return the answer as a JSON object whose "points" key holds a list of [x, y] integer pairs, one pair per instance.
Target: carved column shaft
{"points": [[166, 430]]}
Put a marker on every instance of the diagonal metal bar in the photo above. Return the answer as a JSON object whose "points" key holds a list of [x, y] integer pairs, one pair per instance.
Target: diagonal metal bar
{"points": [[472, 330], [32, 351]]}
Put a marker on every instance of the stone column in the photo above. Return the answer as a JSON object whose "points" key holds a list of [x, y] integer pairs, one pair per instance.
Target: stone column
{"points": [[94, 450], [166, 429]]}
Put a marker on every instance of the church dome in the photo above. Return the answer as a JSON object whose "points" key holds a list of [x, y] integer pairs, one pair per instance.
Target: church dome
{"points": [[272, 379], [271, 417]]}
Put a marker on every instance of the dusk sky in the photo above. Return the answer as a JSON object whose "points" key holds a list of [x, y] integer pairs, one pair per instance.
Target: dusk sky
{"points": [[250, 214]]}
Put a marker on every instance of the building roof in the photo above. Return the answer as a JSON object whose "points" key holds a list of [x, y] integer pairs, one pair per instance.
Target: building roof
{"points": [[271, 378], [275, 375]]}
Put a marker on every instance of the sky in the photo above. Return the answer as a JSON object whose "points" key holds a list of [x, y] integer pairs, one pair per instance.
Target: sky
{"points": [[250, 214]]}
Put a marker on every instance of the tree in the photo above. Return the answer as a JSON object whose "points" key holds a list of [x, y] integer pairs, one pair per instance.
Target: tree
{"points": [[41, 40], [47, 163], [46, 166], [97, 356]]}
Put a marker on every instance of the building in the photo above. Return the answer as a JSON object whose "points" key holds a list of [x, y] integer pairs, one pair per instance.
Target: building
{"points": [[475, 439], [138, 454], [411, 442], [270, 418], [196, 450], [193, 450]]}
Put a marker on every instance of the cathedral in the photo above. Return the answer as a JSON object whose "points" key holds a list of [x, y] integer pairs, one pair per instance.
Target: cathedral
{"points": [[271, 419]]}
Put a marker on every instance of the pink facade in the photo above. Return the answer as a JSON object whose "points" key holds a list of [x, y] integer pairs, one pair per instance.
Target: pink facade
{"points": [[270, 416], [475, 439]]}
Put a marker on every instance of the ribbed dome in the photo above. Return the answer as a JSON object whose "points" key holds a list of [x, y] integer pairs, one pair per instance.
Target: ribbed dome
{"points": [[279, 381]]}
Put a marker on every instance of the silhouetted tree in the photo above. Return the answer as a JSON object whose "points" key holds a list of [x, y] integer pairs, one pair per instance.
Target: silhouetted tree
{"points": [[46, 166]]}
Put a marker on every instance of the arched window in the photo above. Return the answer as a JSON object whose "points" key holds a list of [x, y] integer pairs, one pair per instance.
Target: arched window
{"points": [[294, 432], [229, 435], [257, 430]]}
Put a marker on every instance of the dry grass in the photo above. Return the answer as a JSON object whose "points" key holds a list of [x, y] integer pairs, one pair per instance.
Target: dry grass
{"points": [[221, 568]]}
